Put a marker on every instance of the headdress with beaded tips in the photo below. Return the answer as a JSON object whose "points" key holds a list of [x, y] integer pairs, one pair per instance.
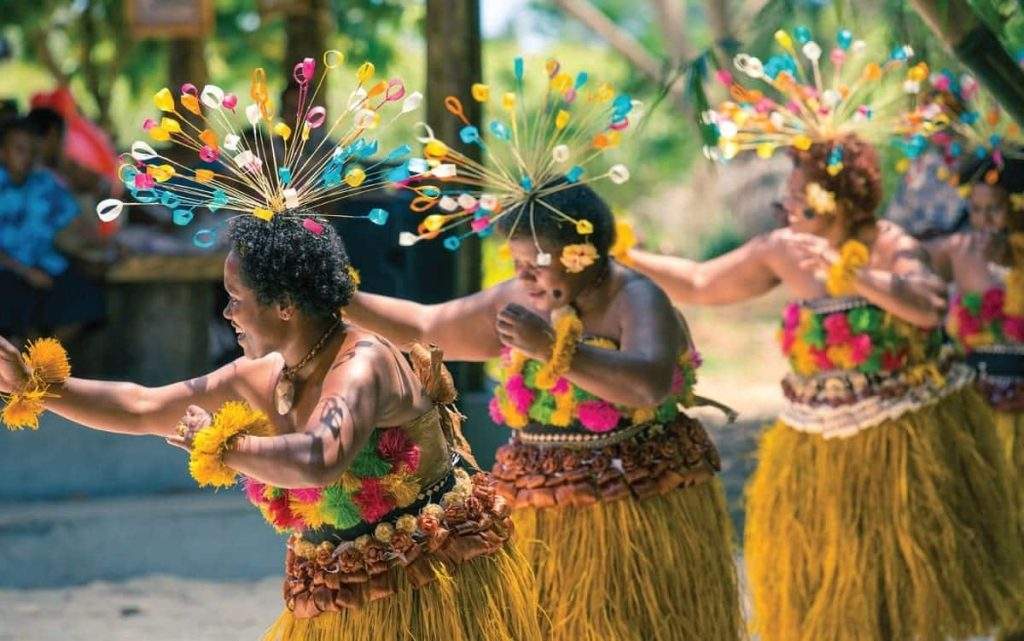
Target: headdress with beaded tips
{"points": [[797, 100], [248, 171], [538, 145], [974, 125]]}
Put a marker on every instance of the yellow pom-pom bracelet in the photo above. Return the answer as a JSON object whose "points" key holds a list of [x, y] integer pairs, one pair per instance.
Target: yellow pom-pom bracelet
{"points": [[48, 366], [568, 331], [853, 256], [232, 420]]}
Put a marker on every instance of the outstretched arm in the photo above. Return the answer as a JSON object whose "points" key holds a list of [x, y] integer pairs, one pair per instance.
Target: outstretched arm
{"points": [[126, 408], [463, 328], [739, 275]]}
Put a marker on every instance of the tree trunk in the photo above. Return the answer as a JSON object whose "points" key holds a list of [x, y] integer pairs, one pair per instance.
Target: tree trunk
{"points": [[718, 19], [306, 35], [958, 27], [623, 42], [453, 65], [187, 63], [673, 29]]}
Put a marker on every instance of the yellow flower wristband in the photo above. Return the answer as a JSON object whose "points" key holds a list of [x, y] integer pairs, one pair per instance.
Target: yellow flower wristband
{"points": [[853, 256], [232, 420], [48, 366], [568, 331]]}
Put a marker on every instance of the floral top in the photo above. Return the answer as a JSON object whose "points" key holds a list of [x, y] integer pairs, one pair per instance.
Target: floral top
{"points": [[852, 335], [518, 401], [385, 476], [989, 318]]}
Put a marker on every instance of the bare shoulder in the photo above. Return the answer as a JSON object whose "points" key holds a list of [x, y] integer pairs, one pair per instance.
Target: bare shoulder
{"points": [[639, 295], [362, 355], [249, 374]]}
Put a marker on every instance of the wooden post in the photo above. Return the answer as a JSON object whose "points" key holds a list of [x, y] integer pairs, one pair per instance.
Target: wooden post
{"points": [[958, 27], [453, 65]]}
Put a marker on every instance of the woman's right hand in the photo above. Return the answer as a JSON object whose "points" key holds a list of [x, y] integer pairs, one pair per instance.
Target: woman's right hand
{"points": [[13, 372], [195, 419]]}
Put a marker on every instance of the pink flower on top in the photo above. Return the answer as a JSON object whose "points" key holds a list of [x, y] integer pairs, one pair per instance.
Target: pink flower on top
{"points": [[494, 408], [992, 303], [837, 329], [598, 416], [306, 494], [1013, 327], [521, 395], [861, 348], [791, 316]]}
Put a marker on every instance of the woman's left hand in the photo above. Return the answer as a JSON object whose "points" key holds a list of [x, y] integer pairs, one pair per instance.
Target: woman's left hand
{"points": [[814, 254], [524, 330], [195, 419]]}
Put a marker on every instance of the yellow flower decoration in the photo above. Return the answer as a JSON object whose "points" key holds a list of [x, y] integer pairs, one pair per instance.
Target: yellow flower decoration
{"points": [[625, 240], [821, 201], [568, 331], [578, 257], [233, 419], [853, 256], [48, 365]]}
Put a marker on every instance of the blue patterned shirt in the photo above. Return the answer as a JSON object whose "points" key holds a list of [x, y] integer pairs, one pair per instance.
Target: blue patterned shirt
{"points": [[31, 215]]}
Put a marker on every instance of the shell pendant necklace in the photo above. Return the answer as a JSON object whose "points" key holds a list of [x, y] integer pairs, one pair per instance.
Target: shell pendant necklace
{"points": [[284, 391]]}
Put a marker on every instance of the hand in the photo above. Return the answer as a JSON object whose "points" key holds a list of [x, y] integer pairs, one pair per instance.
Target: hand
{"points": [[13, 372], [524, 330], [813, 253], [195, 419], [37, 278]]}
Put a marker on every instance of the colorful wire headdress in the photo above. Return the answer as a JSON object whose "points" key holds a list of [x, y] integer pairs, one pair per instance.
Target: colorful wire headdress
{"points": [[271, 167], [540, 145], [973, 125], [798, 100]]}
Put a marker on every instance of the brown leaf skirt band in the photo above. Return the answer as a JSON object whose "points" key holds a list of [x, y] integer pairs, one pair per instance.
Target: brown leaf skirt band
{"points": [[327, 577], [652, 459]]}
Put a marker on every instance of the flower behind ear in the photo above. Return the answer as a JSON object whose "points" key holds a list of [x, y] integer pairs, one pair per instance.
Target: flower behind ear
{"points": [[578, 257], [821, 201]]}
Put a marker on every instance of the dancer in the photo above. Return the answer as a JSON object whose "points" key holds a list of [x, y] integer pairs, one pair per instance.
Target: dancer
{"points": [[985, 263], [342, 442], [879, 506], [607, 474]]}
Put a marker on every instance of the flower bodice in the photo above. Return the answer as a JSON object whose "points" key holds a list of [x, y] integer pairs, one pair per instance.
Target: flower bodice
{"points": [[981, 319], [520, 401], [390, 472], [849, 334], [988, 327]]}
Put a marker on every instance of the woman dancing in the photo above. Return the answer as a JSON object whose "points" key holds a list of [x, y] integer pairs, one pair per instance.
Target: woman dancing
{"points": [[879, 506], [342, 441]]}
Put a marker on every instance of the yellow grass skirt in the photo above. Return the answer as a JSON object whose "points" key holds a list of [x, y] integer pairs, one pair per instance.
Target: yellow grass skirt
{"points": [[1010, 427], [659, 569], [902, 532], [491, 598]]}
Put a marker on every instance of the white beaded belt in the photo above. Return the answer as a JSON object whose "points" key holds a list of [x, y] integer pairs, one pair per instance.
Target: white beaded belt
{"points": [[849, 419], [576, 440]]}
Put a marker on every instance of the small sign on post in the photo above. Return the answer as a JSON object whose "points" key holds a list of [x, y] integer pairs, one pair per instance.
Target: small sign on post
{"points": [[169, 19]]}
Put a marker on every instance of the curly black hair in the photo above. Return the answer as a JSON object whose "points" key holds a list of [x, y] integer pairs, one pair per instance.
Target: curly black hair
{"points": [[286, 263], [578, 201]]}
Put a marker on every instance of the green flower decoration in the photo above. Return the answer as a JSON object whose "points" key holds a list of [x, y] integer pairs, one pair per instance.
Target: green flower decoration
{"points": [[338, 507], [368, 462]]}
